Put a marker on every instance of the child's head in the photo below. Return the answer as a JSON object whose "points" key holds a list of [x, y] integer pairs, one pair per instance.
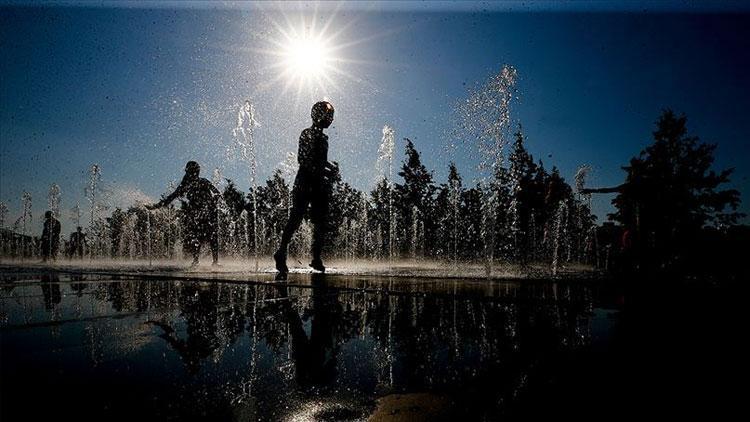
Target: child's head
{"points": [[322, 114], [192, 169]]}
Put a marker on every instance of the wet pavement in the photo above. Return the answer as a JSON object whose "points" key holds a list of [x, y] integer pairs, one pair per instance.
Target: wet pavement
{"points": [[316, 347]]}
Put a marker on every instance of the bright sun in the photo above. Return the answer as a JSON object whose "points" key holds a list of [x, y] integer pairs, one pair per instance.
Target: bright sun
{"points": [[306, 58], [307, 55]]}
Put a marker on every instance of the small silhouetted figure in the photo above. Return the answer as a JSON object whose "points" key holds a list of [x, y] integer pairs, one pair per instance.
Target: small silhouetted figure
{"points": [[50, 237], [77, 243], [200, 214], [311, 186]]}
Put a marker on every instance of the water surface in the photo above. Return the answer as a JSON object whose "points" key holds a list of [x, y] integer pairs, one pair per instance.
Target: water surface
{"points": [[315, 348]]}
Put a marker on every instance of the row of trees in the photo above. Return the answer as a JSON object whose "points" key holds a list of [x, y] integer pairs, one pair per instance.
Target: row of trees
{"points": [[671, 211], [524, 213]]}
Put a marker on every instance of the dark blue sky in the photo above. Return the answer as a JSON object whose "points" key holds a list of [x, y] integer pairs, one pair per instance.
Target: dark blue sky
{"points": [[141, 91]]}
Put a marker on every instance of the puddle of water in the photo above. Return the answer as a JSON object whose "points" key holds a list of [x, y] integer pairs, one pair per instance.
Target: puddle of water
{"points": [[322, 348]]}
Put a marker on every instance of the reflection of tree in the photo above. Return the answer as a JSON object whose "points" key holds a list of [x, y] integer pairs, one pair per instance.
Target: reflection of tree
{"points": [[412, 341]]}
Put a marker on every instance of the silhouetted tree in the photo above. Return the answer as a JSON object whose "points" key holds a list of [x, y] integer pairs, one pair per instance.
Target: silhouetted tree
{"points": [[234, 199], [448, 214], [379, 217], [524, 193], [471, 244], [416, 193], [671, 192]]}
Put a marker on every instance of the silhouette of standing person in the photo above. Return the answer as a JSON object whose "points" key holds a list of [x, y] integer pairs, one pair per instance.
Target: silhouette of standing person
{"points": [[50, 237], [200, 214], [311, 187], [77, 243]]}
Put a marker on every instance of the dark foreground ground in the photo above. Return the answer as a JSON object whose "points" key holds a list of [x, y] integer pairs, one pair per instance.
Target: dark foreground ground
{"points": [[77, 346]]}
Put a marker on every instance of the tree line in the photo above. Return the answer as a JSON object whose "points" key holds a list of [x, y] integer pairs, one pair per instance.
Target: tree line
{"points": [[524, 213]]}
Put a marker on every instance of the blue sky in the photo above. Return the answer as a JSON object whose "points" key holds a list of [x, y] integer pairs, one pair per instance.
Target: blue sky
{"points": [[143, 88]]}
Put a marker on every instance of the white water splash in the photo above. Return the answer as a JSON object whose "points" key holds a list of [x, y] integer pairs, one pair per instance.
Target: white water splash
{"points": [[53, 200], [244, 139], [580, 177], [484, 118], [385, 154], [289, 166]]}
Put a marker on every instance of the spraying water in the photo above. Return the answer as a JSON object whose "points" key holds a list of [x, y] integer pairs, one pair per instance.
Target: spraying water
{"points": [[171, 235], [289, 167], [559, 235], [245, 141], [414, 232], [385, 155], [75, 214], [26, 217], [53, 199], [363, 226], [455, 200], [217, 178], [584, 208], [3, 216], [95, 178], [580, 177], [148, 233], [484, 118]]}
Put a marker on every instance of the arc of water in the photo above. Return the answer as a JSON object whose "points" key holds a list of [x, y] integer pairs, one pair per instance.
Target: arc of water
{"points": [[485, 117]]}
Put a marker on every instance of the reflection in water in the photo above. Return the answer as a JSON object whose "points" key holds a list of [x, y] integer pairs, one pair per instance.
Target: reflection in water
{"points": [[51, 290], [314, 356], [271, 351]]}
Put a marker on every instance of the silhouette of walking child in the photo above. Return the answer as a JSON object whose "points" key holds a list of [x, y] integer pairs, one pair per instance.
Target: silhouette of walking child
{"points": [[50, 237], [311, 187], [201, 212]]}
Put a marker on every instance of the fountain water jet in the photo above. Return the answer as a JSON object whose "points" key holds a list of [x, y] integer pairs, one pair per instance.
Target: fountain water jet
{"points": [[485, 118], [27, 218], [95, 178], [53, 199], [244, 138], [385, 154], [559, 235]]}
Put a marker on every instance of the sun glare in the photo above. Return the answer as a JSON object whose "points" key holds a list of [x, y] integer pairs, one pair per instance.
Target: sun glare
{"points": [[306, 55], [306, 58]]}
